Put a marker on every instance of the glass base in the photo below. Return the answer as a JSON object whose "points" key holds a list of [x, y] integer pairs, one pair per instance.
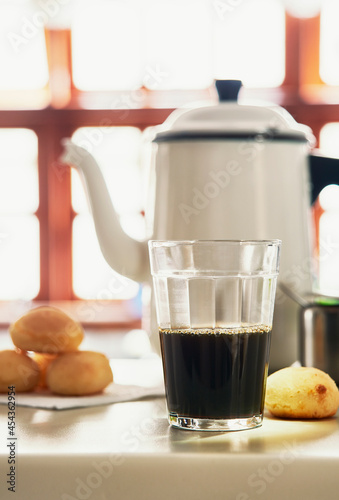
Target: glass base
{"points": [[214, 424]]}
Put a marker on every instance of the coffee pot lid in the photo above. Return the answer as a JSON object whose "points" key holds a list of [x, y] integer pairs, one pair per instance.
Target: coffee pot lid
{"points": [[229, 119]]}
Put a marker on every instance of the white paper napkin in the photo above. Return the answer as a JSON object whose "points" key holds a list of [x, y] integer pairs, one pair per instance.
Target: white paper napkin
{"points": [[115, 393]]}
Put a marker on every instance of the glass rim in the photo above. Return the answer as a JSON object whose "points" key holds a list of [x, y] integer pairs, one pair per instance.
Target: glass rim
{"points": [[169, 243], [212, 258]]}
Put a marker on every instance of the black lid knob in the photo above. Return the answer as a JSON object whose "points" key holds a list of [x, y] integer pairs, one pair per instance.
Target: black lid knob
{"points": [[228, 90]]}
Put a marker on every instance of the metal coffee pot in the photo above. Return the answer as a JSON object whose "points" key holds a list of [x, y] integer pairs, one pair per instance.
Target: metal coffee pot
{"points": [[222, 171], [319, 336], [318, 330]]}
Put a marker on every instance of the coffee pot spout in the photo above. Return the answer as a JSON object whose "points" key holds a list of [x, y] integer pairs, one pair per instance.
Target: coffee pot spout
{"points": [[125, 255]]}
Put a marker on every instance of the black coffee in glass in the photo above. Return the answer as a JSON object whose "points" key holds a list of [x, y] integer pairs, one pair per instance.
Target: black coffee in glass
{"points": [[215, 373]]}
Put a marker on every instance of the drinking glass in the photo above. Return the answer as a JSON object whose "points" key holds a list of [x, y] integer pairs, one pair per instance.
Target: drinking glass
{"points": [[214, 303]]}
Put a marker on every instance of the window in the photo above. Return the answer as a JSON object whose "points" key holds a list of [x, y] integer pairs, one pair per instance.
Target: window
{"points": [[329, 43], [22, 48], [241, 48], [172, 44], [117, 150], [329, 218], [102, 72], [19, 226], [329, 234], [110, 58]]}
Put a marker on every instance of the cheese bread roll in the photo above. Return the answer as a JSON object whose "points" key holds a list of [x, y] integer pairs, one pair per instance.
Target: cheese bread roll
{"points": [[300, 392], [18, 370], [47, 330], [79, 373]]}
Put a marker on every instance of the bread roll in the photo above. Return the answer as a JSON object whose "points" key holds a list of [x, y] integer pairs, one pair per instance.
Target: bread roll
{"points": [[79, 373], [301, 393], [47, 330], [18, 370]]}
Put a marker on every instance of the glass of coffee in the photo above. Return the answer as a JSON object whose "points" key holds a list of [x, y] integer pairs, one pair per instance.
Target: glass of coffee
{"points": [[214, 303]]}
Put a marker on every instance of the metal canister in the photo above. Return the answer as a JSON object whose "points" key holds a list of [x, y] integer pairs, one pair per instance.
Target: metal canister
{"points": [[319, 338]]}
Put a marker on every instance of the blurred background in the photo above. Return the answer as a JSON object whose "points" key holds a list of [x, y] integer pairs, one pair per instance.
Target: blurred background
{"points": [[104, 71]]}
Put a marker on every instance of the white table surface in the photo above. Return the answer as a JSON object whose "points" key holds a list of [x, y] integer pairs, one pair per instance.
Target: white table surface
{"points": [[128, 451]]}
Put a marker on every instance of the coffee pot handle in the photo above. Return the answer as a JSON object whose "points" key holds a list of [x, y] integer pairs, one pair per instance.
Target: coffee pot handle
{"points": [[323, 171]]}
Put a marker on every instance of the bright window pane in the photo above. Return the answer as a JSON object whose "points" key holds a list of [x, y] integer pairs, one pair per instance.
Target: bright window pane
{"points": [[22, 49], [329, 42], [250, 42], [92, 276], [329, 221], [133, 45], [178, 44], [329, 241], [329, 143], [117, 151], [19, 257], [106, 45], [19, 228], [18, 171]]}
